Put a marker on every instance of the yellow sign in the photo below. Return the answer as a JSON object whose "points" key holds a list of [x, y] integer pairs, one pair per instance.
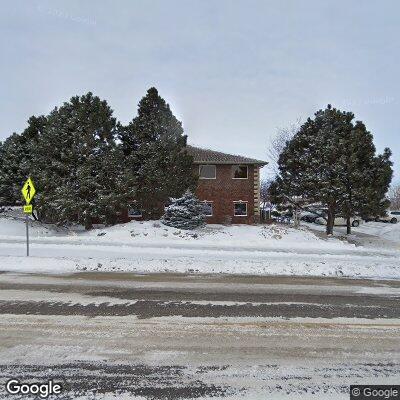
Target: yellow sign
{"points": [[28, 191], [28, 209]]}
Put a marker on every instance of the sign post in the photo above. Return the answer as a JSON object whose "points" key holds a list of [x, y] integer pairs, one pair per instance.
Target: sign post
{"points": [[28, 191], [27, 234]]}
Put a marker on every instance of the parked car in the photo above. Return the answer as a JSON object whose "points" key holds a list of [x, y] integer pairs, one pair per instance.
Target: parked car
{"points": [[392, 217], [340, 221], [307, 216]]}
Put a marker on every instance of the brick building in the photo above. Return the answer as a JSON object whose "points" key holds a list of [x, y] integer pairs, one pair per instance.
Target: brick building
{"points": [[229, 186]]}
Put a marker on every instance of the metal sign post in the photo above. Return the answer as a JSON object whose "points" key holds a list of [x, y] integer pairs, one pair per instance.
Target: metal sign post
{"points": [[27, 234], [28, 191]]}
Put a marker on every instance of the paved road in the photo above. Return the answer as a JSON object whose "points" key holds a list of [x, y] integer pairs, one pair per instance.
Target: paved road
{"points": [[179, 336]]}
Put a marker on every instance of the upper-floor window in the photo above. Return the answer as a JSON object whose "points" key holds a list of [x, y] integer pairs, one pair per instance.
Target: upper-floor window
{"points": [[207, 172], [240, 172]]}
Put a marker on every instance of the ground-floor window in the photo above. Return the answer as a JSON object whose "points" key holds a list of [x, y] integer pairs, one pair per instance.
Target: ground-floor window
{"points": [[134, 213], [208, 208], [240, 208]]}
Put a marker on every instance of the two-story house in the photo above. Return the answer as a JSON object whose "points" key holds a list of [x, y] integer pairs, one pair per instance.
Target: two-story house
{"points": [[229, 186]]}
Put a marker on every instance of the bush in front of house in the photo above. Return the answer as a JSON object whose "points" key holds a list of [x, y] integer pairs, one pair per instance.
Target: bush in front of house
{"points": [[185, 212]]}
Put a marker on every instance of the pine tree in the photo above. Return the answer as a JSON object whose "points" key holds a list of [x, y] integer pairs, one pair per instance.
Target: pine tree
{"points": [[155, 144], [366, 177], [380, 176], [79, 170], [11, 176], [16, 160], [186, 212], [332, 161]]}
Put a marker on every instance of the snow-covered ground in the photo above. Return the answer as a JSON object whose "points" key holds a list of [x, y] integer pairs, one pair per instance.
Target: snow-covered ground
{"points": [[152, 247], [383, 230]]}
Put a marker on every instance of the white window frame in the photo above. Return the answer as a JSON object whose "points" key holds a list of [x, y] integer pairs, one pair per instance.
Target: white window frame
{"points": [[208, 165], [241, 202], [212, 207], [135, 216], [241, 165]]}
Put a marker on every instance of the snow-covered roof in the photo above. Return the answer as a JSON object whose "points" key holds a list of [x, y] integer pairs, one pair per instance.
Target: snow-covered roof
{"points": [[207, 156]]}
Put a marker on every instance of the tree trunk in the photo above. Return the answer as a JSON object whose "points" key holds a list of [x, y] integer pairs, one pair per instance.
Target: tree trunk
{"points": [[296, 219], [88, 223], [348, 224], [331, 221]]}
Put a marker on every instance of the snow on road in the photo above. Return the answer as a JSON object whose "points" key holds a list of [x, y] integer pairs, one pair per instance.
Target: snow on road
{"points": [[152, 247], [199, 336]]}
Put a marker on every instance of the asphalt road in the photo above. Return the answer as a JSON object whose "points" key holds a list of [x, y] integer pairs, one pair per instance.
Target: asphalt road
{"points": [[191, 336]]}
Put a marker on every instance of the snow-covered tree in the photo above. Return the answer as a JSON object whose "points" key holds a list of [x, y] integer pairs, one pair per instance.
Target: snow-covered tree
{"points": [[79, 168], [16, 157], [186, 212], [155, 144], [332, 161], [11, 175]]}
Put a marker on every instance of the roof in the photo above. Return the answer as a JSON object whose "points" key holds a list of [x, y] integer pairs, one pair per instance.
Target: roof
{"points": [[207, 156]]}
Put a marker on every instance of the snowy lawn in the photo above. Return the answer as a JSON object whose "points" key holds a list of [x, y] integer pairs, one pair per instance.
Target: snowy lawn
{"points": [[152, 247]]}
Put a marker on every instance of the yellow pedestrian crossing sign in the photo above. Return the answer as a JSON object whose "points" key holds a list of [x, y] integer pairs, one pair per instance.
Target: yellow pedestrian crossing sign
{"points": [[28, 191]]}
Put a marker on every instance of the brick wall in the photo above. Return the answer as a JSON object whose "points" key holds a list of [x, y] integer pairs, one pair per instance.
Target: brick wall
{"points": [[224, 190]]}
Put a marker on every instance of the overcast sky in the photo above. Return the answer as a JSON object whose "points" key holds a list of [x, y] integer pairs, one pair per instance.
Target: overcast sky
{"points": [[232, 71]]}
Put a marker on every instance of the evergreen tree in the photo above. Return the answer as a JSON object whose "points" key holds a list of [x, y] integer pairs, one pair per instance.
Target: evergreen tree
{"points": [[16, 160], [332, 161], [155, 144], [366, 177], [186, 212], [79, 171], [11, 176], [380, 177]]}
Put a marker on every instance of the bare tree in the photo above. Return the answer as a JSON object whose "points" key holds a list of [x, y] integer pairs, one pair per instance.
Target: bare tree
{"points": [[394, 197], [265, 198], [274, 150], [278, 143]]}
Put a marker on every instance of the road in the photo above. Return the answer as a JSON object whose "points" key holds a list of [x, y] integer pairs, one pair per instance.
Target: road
{"points": [[169, 336]]}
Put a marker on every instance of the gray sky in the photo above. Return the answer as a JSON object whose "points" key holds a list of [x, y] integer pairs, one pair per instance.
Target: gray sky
{"points": [[232, 71]]}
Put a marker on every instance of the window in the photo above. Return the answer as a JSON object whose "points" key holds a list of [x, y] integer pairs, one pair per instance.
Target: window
{"points": [[208, 208], [240, 209], [134, 213], [239, 172], [395, 212], [207, 171]]}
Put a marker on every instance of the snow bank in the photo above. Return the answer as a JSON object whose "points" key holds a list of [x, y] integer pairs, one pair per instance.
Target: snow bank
{"points": [[250, 264], [155, 234]]}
